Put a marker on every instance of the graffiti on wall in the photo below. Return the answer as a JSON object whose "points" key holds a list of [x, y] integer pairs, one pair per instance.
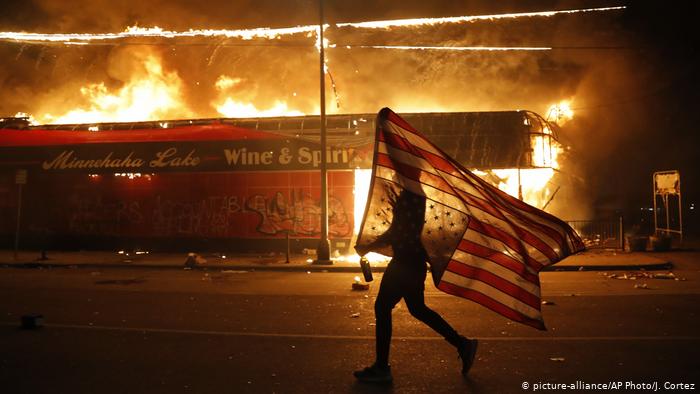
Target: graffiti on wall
{"points": [[300, 216], [213, 216], [93, 215]]}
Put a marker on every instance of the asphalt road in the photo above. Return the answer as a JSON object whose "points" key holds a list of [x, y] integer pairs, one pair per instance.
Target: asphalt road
{"points": [[151, 331]]}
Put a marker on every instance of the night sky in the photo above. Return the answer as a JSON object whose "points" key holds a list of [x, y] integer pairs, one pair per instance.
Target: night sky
{"points": [[632, 74]]}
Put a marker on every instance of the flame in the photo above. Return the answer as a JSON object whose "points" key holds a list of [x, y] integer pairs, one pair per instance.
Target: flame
{"points": [[545, 149], [149, 32], [560, 113], [532, 183], [386, 24], [150, 94], [449, 48], [268, 33], [231, 108]]}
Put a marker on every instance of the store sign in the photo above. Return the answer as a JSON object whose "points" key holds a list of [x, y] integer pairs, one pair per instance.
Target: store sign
{"points": [[243, 155]]}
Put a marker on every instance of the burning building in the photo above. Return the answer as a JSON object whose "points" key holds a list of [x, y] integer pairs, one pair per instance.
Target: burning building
{"points": [[242, 184]]}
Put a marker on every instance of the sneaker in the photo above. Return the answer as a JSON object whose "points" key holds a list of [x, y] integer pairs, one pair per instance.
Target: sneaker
{"points": [[467, 351], [374, 374]]}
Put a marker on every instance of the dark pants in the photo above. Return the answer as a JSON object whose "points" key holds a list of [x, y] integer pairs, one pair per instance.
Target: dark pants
{"points": [[407, 283]]}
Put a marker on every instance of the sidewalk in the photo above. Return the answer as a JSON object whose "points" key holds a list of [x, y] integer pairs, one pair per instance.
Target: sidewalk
{"points": [[590, 260]]}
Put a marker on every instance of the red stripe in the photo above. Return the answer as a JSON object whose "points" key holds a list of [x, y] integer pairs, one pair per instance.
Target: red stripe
{"points": [[544, 228], [387, 114], [212, 132], [414, 173], [499, 258], [490, 303], [513, 242], [494, 281], [525, 235], [450, 166], [481, 204], [402, 144]]}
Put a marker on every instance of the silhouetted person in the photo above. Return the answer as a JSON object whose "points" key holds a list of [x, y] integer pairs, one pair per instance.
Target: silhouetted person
{"points": [[405, 278]]}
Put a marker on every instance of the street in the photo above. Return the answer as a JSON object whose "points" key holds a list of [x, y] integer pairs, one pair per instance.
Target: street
{"points": [[168, 331]]}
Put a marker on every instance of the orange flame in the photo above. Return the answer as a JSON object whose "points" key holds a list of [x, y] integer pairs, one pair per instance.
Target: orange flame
{"points": [[150, 94]]}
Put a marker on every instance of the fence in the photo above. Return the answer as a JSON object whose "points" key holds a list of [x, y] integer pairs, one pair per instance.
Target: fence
{"points": [[600, 234]]}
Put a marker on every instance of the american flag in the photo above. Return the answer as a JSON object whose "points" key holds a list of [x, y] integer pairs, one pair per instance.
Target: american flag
{"points": [[482, 243]]}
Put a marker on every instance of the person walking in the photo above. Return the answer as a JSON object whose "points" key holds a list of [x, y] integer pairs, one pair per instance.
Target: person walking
{"points": [[405, 278]]}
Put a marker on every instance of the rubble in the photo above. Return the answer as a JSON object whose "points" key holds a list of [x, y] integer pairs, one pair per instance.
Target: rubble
{"points": [[642, 275]]}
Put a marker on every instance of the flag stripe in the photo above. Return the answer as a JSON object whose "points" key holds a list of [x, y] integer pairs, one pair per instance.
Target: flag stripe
{"points": [[492, 252], [428, 179], [497, 257], [415, 186], [495, 281], [487, 290], [385, 153], [546, 246], [490, 303], [495, 244], [506, 238]]}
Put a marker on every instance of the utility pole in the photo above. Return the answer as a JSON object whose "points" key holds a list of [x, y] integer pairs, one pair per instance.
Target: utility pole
{"points": [[323, 252]]}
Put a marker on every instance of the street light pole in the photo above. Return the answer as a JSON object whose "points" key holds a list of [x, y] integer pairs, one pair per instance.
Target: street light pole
{"points": [[323, 252]]}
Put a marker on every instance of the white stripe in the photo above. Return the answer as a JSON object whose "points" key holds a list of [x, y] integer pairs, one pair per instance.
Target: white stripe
{"points": [[407, 158], [497, 245], [496, 269], [551, 242], [471, 189], [457, 203], [420, 188], [492, 292], [421, 164], [412, 138]]}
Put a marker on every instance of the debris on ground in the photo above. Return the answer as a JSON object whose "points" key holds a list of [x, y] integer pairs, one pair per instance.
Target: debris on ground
{"points": [[194, 260], [545, 302], [642, 275], [355, 315], [641, 286], [557, 359], [360, 286]]}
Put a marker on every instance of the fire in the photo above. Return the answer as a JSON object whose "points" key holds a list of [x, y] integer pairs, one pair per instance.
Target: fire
{"points": [[530, 183], [149, 32], [386, 24], [150, 94], [560, 113], [450, 48], [231, 108], [268, 33], [545, 149]]}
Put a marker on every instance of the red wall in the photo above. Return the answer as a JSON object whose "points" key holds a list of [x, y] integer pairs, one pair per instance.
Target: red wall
{"points": [[233, 205]]}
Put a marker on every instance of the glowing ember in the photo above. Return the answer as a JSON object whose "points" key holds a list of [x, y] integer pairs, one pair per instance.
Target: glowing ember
{"points": [[560, 113]]}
